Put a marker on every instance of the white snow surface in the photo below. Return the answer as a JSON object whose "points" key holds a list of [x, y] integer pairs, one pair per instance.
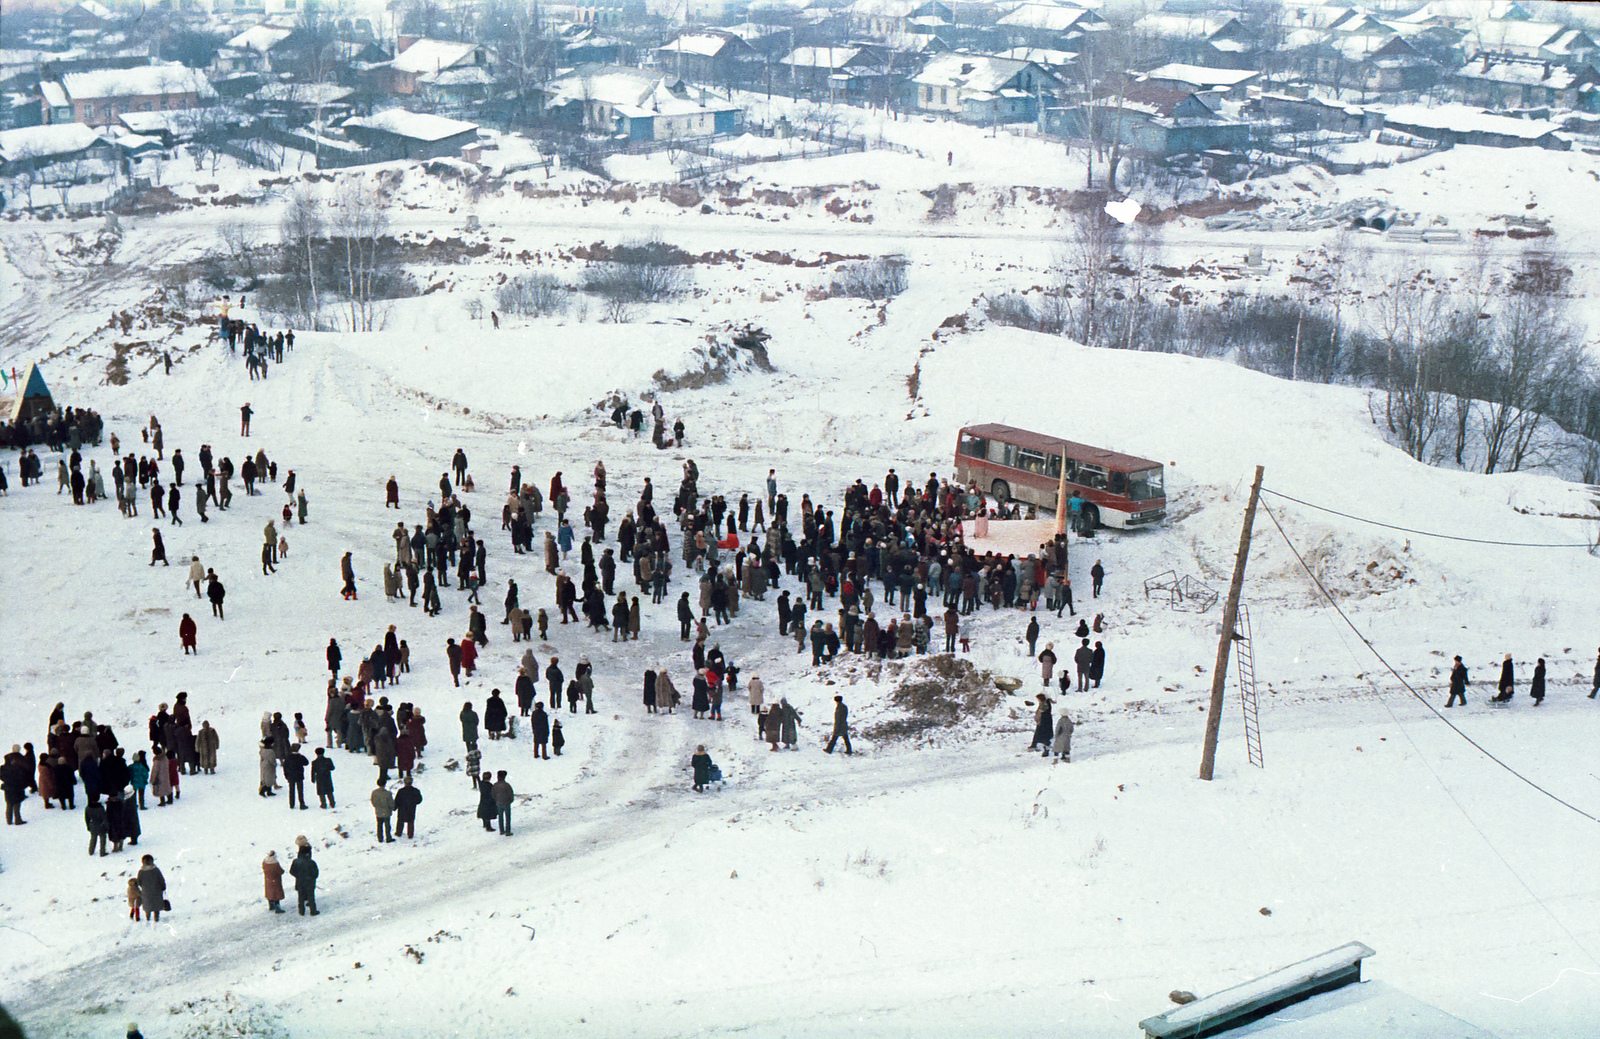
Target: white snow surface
{"points": [[949, 885]]}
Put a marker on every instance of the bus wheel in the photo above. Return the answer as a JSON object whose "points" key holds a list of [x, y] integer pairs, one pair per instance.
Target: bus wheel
{"points": [[1001, 491], [1091, 516]]}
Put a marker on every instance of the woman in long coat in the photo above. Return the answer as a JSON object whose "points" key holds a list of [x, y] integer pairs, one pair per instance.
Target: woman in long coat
{"points": [[649, 691], [1508, 679], [355, 737], [205, 745], [488, 811], [1047, 661], [1063, 740], [791, 722], [160, 778], [1536, 689], [494, 715], [1043, 726], [666, 693], [152, 888], [272, 880], [269, 770]]}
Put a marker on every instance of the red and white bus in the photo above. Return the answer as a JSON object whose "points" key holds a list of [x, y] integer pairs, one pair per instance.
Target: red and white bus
{"points": [[1013, 464]]}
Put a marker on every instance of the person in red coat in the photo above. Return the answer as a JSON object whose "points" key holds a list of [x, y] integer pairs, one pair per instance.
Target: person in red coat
{"points": [[419, 734], [405, 754], [469, 655], [186, 634], [391, 494]]}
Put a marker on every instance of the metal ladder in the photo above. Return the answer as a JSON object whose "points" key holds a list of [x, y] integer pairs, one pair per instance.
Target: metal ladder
{"points": [[1246, 663]]}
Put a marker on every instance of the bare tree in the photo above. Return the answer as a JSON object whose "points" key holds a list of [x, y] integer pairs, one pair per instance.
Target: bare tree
{"points": [[1410, 317], [239, 238], [1085, 265], [299, 230], [360, 223], [1535, 350]]}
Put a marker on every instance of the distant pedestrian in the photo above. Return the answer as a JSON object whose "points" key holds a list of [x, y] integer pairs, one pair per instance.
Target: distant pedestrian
{"points": [[152, 888], [1458, 684], [503, 798], [1047, 661], [841, 729], [1536, 687]]}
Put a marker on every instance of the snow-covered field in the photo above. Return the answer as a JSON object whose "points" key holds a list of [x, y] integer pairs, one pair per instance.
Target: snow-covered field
{"points": [[952, 885]]}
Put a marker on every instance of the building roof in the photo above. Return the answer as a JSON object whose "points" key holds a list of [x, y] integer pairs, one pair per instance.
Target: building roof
{"points": [[632, 92], [303, 93], [464, 76], [980, 73], [1184, 26], [432, 56], [100, 11], [145, 79], [1200, 77], [1513, 35], [704, 44], [1042, 56], [260, 38], [822, 57], [32, 142], [418, 126], [55, 95], [182, 121], [1048, 17], [1471, 10], [1465, 119], [1523, 72]]}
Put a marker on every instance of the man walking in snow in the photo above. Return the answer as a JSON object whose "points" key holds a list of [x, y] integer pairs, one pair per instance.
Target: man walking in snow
{"points": [[1458, 684], [244, 420], [841, 715]]}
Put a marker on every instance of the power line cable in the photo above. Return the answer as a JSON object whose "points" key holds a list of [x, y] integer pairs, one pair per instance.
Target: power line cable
{"points": [[1486, 752], [1427, 533]]}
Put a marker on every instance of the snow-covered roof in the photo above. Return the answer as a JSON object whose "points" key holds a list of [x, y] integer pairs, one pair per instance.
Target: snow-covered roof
{"points": [[39, 141], [432, 56], [704, 44], [418, 126], [970, 72], [1040, 55], [466, 75], [303, 93], [182, 121], [821, 57], [1465, 119], [143, 80], [53, 93], [260, 38], [1520, 72], [1455, 10], [1512, 35], [100, 11], [610, 84], [1200, 76], [1045, 16], [1183, 26]]}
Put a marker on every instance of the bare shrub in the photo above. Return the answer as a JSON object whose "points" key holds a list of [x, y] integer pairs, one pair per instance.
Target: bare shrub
{"points": [[883, 278], [532, 295]]}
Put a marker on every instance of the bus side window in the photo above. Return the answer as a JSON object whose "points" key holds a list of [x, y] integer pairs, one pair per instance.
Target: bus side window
{"points": [[975, 447], [1072, 471], [1053, 469], [1119, 483]]}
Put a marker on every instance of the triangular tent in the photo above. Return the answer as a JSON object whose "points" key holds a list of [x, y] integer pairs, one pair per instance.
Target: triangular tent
{"points": [[34, 398]]}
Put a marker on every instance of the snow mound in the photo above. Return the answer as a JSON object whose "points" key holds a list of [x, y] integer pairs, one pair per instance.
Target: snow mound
{"points": [[932, 692]]}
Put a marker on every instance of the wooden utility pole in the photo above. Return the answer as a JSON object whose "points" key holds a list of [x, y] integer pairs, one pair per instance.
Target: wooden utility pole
{"points": [[1230, 618]]}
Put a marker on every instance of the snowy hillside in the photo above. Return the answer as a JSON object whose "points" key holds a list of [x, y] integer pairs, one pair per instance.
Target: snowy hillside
{"points": [[946, 883]]}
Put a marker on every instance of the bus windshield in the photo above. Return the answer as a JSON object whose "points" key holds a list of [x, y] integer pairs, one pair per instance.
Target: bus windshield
{"points": [[1145, 485]]}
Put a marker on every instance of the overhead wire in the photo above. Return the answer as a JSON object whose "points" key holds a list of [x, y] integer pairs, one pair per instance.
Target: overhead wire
{"points": [[1425, 533], [1448, 791]]}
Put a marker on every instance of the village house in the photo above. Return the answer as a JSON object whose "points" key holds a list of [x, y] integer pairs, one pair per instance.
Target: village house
{"points": [[982, 88], [1218, 41], [398, 134], [1155, 122], [98, 98], [845, 73], [1524, 83], [1539, 41], [1229, 83], [709, 56], [434, 69], [637, 104], [1451, 125]]}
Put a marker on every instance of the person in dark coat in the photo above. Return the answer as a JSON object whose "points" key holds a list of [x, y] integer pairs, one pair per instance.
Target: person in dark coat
{"points": [[701, 763], [152, 888], [322, 779], [216, 593], [94, 818], [540, 723], [347, 573], [1043, 725], [469, 725], [1097, 574], [486, 807], [557, 741], [524, 692], [158, 549], [555, 677], [186, 635], [1536, 688], [1508, 681], [294, 774], [494, 715], [304, 871], [406, 800], [1458, 684], [1097, 663], [1032, 635], [841, 729]]}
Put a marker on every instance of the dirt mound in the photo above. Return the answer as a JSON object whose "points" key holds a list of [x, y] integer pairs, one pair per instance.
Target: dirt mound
{"points": [[935, 692]]}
